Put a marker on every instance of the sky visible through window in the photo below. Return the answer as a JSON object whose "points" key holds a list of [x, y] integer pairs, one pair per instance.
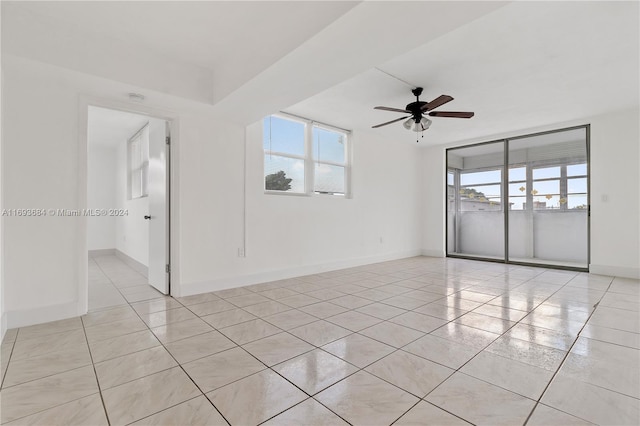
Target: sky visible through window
{"points": [[282, 136], [287, 137]]}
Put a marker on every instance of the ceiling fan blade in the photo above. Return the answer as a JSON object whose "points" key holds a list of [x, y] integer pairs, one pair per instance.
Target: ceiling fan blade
{"points": [[452, 114], [440, 100], [384, 108], [389, 122]]}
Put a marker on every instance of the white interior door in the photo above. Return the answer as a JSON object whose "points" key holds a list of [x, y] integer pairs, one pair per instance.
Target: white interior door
{"points": [[158, 205]]}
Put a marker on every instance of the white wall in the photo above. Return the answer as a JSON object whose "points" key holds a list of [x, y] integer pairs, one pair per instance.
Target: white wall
{"points": [[101, 194], [3, 319], [284, 235], [131, 235], [40, 157], [615, 192], [292, 235]]}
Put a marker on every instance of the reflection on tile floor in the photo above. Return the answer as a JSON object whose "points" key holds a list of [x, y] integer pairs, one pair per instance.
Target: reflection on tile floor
{"points": [[408, 342]]}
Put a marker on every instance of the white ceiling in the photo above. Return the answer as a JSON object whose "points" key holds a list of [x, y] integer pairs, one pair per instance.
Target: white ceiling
{"points": [[205, 33], [109, 128], [524, 65], [517, 65], [234, 39]]}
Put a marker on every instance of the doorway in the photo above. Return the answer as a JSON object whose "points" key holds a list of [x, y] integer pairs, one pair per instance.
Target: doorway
{"points": [[521, 200], [127, 207]]}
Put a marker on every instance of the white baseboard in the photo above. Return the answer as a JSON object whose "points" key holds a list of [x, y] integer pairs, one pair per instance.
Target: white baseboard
{"points": [[42, 314], [615, 271], [130, 261], [187, 289], [433, 253], [3, 326], [102, 252]]}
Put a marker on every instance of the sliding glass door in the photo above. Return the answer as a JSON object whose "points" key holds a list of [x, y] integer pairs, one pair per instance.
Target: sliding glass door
{"points": [[475, 201], [521, 200], [548, 199]]}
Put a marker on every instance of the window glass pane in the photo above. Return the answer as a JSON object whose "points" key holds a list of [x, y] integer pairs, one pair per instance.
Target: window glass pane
{"points": [[450, 178], [136, 183], [577, 202], [517, 173], [486, 197], [136, 153], [577, 170], [329, 179], [475, 178], [546, 172], [328, 145], [517, 203], [577, 185], [546, 202], [283, 173], [144, 176], [545, 187], [281, 135], [516, 189]]}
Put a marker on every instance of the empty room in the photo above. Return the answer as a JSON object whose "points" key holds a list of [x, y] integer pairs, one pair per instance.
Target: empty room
{"points": [[320, 213]]}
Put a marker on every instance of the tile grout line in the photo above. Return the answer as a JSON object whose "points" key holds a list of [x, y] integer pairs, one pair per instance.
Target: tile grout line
{"points": [[538, 401], [270, 368], [315, 347], [458, 370], [162, 344], [95, 373], [396, 349], [170, 354], [353, 310], [388, 320], [13, 345]]}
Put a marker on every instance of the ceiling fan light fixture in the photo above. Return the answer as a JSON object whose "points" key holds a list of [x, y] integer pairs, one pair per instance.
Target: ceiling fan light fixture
{"points": [[419, 126], [408, 124]]}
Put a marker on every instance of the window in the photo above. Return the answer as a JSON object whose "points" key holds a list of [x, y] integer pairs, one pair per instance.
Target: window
{"points": [[480, 190], [138, 162], [330, 161], [517, 188], [304, 157], [546, 187], [521, 200], [284, 154], [576, 186]]}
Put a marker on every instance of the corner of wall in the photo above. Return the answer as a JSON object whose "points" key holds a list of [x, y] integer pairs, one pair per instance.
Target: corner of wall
{"points": [[188, 289], [615, 271], [433, 253], [39, 315], [3, 325]]}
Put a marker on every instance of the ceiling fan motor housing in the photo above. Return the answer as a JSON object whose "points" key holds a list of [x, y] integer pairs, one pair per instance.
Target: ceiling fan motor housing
{"points": [[416, 109]]}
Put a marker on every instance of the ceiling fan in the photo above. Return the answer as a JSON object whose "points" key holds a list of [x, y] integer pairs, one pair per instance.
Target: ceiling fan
{"points": [[417, 121]]}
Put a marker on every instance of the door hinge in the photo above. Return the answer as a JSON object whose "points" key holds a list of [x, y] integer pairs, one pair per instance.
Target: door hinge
{"points": [[167, 268], [168, 140]]}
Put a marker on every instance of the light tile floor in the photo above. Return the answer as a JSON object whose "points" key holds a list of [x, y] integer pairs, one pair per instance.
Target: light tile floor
{"points": [[409, 342]]}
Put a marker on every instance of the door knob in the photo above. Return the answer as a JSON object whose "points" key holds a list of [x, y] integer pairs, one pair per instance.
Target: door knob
{"points": [[147, 217]]}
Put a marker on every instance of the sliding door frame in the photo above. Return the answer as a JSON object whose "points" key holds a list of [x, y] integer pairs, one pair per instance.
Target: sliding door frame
{"points": [[505, 201]]}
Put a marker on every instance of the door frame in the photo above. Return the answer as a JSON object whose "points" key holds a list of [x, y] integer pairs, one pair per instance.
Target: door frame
{"points": [[505, 185], [173, 121]]}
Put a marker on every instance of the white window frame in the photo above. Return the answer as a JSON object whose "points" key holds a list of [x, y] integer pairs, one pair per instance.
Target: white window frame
{"points": [[142, 166], [529, 182], [310, 162]]}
